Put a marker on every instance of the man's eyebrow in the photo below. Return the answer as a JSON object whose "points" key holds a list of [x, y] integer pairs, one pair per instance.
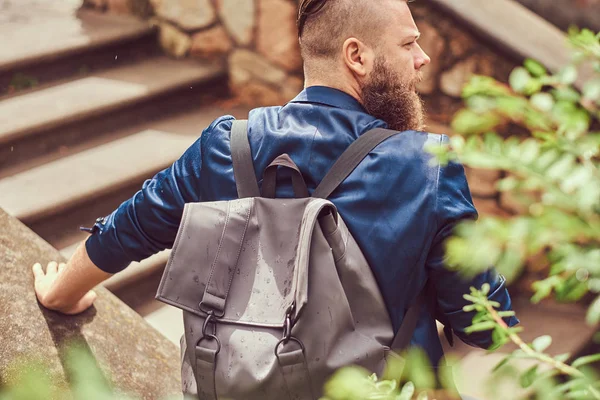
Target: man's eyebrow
{"points": [[415, 36]]}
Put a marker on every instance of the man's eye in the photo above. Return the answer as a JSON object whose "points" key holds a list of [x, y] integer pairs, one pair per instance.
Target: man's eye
{"points": [[409, 44]]}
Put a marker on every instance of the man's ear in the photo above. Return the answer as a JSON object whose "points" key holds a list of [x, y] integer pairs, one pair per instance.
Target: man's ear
{"points": [[358, 57]]}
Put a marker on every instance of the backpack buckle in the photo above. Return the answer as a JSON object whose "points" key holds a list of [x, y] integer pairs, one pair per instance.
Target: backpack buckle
{"points": [[287, 327], [209, 319]]}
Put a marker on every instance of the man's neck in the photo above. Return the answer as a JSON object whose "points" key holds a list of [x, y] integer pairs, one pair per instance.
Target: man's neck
{"points": [[344, 88]]}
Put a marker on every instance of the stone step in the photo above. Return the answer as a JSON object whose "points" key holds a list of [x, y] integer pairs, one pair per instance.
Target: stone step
{"points": [[65, 183], [62, 115], [166, 319], [73, 40], [61, 229]]}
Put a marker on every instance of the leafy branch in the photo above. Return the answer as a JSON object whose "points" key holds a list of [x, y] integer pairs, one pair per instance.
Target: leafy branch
{"points": [[488, 318]]}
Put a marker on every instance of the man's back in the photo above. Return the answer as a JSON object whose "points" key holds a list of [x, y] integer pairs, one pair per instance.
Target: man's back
{"points": [[398, 205]]}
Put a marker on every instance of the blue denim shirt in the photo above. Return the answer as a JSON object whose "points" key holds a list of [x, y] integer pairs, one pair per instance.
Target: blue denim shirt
{"points": [[398, 204]]}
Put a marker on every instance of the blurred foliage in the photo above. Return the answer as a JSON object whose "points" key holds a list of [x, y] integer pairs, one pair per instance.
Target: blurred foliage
{"points": [[554, 173], [406, 377], [33, 381]]}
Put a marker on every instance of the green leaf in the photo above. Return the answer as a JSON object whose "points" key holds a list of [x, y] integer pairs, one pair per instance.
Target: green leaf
{"points": [[568, 75], [470, 122], [502, 363], [518, 79], [407, 391], [535, 68], [591, 90], [420, 371], [543, 101], [528, 377], [481, 326], [586, 360], [506, 314], [567, 94], [485, 288], [562, 357], [541, 343], [593, 314], [423, 396]]}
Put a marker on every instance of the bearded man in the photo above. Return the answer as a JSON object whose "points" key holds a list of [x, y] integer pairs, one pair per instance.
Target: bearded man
{"points": [[362, 63]]}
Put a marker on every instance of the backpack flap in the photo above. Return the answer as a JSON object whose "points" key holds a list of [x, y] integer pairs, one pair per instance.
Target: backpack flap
{"points": [[224, 259]]}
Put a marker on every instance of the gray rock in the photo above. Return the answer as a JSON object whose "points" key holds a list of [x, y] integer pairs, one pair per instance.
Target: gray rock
{"points": [[187, 14], [238, 18], [245, 65]]}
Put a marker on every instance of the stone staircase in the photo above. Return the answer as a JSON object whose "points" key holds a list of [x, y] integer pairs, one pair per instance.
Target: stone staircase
{"points": [[103, 111]]}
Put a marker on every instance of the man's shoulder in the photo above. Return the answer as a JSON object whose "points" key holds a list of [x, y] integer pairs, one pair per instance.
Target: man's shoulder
{"points": [[221, 127], [412, 145]]}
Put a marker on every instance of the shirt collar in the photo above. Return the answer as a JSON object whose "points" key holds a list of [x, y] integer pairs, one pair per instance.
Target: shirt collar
{"points": [[328, 96]]}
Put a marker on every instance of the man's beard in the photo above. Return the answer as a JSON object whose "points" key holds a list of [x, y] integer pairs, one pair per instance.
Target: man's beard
{"points": [[386, 97]]}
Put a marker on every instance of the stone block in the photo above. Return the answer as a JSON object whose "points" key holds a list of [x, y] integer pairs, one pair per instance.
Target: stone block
{"points": [[135, 358], [433, 44], [245, 65], [119, 6], [482, 181], [238, 16], [257, 94], [210, 43], [489, 207], [97, 4], [460, 43], [174, 41], [452, 81], [277, 35], [291, 87], [187, 14]]}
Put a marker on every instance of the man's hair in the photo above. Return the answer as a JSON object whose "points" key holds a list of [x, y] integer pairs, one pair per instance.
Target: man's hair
{"points": [[324, 25]]}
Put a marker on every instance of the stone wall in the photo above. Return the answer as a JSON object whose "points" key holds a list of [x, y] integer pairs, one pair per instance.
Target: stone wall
{"points": [[258, 40]]}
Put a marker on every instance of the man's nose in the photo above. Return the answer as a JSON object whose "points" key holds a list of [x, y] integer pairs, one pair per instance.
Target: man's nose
{"points": [[422, 59]]}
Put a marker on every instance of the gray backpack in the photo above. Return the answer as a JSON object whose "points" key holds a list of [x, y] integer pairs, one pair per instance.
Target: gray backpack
{"points": [[276, 294]]}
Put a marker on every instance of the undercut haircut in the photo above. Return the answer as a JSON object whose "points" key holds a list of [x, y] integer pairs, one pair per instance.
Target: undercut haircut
{"points": [[324, 25]]}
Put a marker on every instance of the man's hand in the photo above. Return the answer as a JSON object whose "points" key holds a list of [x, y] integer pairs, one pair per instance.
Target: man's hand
{"points": [[44, 283]]}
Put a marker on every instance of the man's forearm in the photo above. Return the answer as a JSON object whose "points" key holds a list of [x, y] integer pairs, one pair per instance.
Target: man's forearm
{"points": [[75, 281]]}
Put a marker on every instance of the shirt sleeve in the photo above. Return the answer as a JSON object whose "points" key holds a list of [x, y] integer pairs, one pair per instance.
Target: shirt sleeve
{"points": [[148, 222], [453, 205]]}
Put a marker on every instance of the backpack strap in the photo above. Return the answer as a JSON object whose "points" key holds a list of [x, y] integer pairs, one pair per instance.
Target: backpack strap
{"points": [[350, 159], [409, 324], [427, 297], [243, 167], [343, 167]]}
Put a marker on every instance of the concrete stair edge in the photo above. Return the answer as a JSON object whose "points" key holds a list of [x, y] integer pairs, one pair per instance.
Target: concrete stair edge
{"points": [[136, 29], [172, 146], [205, 73]]}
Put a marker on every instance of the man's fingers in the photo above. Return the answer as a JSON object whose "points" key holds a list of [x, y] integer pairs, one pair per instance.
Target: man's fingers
{"points": [[52, 267], [38, 272], [61, 267]]}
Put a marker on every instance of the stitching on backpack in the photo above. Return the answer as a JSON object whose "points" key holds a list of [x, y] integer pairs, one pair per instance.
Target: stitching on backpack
{"points": [[186, 214], [212, 268], [237, 259]]}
